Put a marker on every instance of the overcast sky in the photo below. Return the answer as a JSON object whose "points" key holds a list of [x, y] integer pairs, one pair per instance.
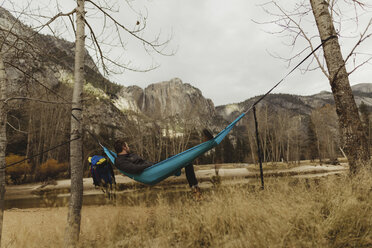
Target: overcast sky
{"points": [[220, 50]]}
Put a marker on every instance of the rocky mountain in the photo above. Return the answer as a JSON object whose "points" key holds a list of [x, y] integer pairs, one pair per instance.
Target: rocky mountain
{"points": [[167, 100], [299, 105]]}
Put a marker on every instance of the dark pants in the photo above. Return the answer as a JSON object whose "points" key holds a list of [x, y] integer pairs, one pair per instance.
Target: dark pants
{"points": [[190, 175]]}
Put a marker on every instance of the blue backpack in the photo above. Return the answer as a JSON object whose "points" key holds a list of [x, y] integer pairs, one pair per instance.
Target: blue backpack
{"points": [[101, 171]]}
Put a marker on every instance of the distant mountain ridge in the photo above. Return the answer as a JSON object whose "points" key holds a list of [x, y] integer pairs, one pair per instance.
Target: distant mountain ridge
{"points": [[362, 87], [302, 105]]}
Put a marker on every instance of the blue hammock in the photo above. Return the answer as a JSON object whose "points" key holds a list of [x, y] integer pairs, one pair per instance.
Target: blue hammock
{"points": [[171, 166]]}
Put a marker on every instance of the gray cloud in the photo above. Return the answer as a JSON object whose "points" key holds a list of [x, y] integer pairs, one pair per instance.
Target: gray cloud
{"points": [[223, 53]]}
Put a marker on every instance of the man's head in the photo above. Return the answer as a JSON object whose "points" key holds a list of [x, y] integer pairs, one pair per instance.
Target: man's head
{"points": [[120, 146]]}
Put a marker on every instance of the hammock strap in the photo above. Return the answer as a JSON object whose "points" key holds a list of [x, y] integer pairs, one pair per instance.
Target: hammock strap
{"points": [[259, 152]]}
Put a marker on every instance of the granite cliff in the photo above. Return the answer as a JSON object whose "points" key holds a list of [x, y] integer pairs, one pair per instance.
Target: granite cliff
{"points": [[167, 100]]}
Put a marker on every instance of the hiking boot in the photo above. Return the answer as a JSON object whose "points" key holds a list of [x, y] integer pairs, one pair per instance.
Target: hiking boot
{"points": [[196, 193]]}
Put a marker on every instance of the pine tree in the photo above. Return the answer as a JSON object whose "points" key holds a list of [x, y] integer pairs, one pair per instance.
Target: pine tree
{"points": [[228, 150], [245, 150], [219, 154], [238, 151], [364, 112]]}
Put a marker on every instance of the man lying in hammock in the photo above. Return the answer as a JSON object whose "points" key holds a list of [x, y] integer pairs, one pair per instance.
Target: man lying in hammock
{"points": [[132, 163]]}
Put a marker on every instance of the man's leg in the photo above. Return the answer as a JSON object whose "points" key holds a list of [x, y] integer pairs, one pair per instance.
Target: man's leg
{"points": [[193, 182], [190, 175]]}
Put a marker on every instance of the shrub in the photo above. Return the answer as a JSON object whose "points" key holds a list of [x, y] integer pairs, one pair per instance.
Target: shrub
{"points": [[51, 169], [19, 171]]}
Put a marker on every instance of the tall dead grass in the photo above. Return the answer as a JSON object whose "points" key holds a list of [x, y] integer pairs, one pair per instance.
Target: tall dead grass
{"points": [[330, 212]]}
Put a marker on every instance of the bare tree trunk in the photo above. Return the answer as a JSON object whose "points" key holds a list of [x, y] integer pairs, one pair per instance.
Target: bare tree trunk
{"points": [[352, 135], [369, 134], [288, 147], [76, 151], [318, 146], [264, 138], [252, 145], [29, 135], [3, 141]]}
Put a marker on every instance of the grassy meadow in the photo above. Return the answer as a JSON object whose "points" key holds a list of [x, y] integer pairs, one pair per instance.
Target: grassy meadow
{"points": [[335, 211]]}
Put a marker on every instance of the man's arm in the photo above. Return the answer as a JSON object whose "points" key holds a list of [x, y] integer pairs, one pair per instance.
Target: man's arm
{"points": [[134, 165], [136, 168]]}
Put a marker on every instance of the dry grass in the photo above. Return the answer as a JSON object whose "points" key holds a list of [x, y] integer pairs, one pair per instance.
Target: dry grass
{"points": [[332, 212]]}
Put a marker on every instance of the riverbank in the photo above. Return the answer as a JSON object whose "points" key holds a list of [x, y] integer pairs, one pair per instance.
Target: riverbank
{"points": [[56, 194], [332, 211]]}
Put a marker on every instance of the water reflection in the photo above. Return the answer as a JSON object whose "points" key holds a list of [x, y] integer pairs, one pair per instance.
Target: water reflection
{"points": [[147, 197]]}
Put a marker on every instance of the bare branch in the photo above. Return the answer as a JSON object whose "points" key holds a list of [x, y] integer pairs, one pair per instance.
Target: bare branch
{"points": [[8, 32], [33, 99], [360, 65], [362, 38], [97, 45], [18, 37], [60, 14], [16, 129], [129, 68], [72, 24], [155, 45], [304, 36], [36, 80]]}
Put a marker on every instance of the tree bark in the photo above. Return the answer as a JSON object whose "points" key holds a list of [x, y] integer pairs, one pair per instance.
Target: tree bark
{"points": [[351, 129], [76, 152], [3, 140]]}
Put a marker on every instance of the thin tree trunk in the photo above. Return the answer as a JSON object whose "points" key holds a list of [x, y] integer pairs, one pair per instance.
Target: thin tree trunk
{"points": [[351, 129], [318, 146], [76, 152], [288, 147], [297, 142], [29, 137], [252, 145], [3, 140], [264, 139]]}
